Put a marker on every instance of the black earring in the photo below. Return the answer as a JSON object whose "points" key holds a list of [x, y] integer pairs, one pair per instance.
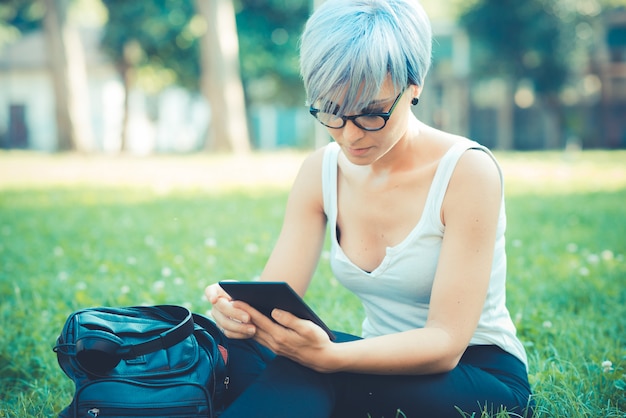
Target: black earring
{"points": [[415, 101]]}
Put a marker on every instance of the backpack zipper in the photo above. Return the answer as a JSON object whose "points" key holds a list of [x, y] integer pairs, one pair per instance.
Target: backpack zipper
{"points": [[172, 411]]}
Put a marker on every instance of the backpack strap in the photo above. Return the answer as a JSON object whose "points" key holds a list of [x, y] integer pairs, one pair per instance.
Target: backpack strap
{"points": [[167, 339]]}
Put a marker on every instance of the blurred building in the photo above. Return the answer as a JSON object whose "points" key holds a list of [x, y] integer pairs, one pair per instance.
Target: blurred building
{"points": [[173, 121], [506, 116], [609, 63]]}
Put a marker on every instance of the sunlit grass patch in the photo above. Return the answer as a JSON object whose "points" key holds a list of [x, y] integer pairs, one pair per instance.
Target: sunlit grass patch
{"points": [[549, 173]]}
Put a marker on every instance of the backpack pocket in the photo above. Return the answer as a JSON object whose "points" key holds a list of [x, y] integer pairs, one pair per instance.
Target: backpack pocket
{"points": [[125, 399]]}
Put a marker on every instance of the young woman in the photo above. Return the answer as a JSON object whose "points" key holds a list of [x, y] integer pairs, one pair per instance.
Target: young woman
{"points": [[416, 220]]}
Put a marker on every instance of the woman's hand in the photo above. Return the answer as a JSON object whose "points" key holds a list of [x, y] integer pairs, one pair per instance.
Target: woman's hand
{"points": [[230, 318], [297, 339]]}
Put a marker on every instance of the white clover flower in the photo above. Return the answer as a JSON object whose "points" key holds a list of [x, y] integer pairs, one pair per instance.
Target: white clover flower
{"points": [[607, 366], [547, 324], [166, 272], [131, 260], [58, 251], [158, 285], [124, 289], [607, 255], [63, 276], [251, 248], [584, 271], [103, 268], [210, 242], [81, 286], [179, 281], [572, 247], [593, 258], [149, 240], [517, 243]]}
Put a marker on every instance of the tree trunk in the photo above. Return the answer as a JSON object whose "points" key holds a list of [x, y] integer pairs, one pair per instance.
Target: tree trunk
{"points": [[126, 69], [125, 73], [220, 79], [69, 76], [552, 122], [506, 123]]}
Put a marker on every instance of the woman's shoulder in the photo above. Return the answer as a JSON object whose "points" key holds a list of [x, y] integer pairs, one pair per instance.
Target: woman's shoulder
{"points": [[314, 160], [445, 142], [474, 164], [308, 182]]}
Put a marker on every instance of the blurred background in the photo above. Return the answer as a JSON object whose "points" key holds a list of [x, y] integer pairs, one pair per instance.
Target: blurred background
{"points": [[184, 76]]}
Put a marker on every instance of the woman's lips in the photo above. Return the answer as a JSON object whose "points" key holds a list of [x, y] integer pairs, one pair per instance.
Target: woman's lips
{"points": [[358, 152]]}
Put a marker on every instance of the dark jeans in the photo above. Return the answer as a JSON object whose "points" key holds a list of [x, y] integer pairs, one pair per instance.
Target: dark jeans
{"points": [[265, 386]]}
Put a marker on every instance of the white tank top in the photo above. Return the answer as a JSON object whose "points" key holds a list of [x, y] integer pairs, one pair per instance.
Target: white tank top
{"points": [[396, 295]]}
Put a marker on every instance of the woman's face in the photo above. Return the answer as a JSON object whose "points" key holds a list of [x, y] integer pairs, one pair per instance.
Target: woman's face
{"points": [[363, 147]]}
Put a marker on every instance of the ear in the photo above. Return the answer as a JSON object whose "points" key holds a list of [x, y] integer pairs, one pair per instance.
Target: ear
{"points": [[415, 93]]}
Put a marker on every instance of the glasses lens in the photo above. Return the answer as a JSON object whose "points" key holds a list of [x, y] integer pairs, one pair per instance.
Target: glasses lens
{"points": [[371, 122], [329, 119]]}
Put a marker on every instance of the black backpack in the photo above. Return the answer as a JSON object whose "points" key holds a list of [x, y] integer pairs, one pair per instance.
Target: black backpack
{"points": [[152, 361]]}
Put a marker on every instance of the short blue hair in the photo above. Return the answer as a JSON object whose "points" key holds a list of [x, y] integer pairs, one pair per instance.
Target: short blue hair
{"points": [[349, 47]]}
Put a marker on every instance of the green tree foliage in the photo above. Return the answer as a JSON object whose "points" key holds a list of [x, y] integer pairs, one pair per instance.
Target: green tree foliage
{"points": [[269, 32], [159, 38], [517, 39], [545, 41], [19, 16], [25, 15], [542, 42], [155, 37]]}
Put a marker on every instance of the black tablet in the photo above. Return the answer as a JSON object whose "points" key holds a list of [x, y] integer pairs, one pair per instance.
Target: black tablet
{"points": [[265, 296]]}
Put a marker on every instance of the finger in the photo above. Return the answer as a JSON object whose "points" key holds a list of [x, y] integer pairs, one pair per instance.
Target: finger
{"points": [[256, 317], [259, 320], [213, 292], [233, 328], [277, 337], [302, 327]]}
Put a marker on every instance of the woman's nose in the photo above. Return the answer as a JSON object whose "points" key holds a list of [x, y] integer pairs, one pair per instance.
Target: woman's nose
{"points": [[351, 132]]}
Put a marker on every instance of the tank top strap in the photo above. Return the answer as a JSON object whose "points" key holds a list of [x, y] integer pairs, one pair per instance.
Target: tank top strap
{"points": [[445, 170], [329, 181]]}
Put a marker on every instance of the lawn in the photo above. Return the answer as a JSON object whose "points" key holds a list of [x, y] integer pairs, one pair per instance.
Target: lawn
{"points": [[80, 231]]}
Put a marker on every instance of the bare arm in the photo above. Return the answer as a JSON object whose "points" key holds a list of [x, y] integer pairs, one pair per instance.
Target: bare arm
{"points": [[295, 255], [297, 251]]}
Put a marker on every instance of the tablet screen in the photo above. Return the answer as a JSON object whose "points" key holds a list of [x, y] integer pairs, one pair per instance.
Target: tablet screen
{"points": [[265, 296]]}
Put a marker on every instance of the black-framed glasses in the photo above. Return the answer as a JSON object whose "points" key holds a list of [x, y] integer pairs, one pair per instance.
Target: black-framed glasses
{"points": [[366, 121]]}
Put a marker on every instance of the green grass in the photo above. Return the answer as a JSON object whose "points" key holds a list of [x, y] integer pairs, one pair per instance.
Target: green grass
{"points": [[124, 232]]}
